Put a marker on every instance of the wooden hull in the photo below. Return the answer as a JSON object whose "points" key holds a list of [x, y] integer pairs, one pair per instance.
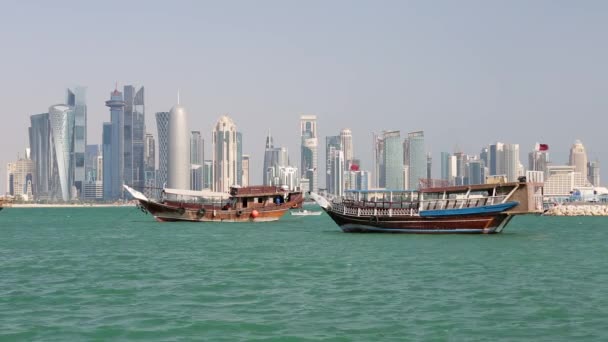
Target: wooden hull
{"points": [[465, 224], [175, 211]]}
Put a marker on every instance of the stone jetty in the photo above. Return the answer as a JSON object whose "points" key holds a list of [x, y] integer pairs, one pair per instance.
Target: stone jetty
{"points": [[578, 210]]}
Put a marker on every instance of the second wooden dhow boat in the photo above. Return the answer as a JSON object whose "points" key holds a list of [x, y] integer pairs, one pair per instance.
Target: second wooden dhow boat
{"points": [[485, 208]]}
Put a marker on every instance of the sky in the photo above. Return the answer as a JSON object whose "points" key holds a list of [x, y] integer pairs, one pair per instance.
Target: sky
{"points": [[468, 73]]}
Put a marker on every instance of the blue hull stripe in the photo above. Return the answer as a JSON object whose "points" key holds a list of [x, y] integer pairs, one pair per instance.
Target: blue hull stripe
{"points": [[486, 209]]}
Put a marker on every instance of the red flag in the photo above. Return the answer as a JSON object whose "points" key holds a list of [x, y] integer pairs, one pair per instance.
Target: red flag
{"points": [[543, 147], [354, 167]]}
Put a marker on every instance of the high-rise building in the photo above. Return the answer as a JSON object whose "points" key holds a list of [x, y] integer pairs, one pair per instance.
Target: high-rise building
{"points": [[496, 159], [91, 153], [150, 165], [134, 133], [393, 160], [208, 174], [178, 173], [114, 160], [475, 172], [239, 158], [107, 167], [245, 177], [308, 165], [196, 160], [379, 165], [332, 143], [578, 157], [162, 125], [445, 165], [593, 173], [76, 99], [268, 158], [61, 118], [417, 162], [224, 146], [511, 161], [346, 143], [538, 160], [337, 157], [429, 166], [20, 176], [289, 177], [274, 159], [484, 156], [41, 151]]}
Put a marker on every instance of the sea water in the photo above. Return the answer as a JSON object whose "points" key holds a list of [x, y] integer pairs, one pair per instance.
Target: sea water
{"points": [[115, 274]]}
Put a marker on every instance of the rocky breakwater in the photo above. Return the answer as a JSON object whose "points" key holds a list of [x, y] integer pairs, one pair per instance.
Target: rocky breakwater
{"points": [[578, 210]]}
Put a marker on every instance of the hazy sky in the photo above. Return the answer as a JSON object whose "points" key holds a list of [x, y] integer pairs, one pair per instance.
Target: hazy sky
{"points": [[468, 73]]}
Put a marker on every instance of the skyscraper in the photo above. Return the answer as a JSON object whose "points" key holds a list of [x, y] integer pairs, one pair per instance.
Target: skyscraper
{"points": [[196, 160], [113, 174], [162, 125], [379, 165], [346, 143], [239, 158], [578, 157], [445, 167], [91, 153], [538, 160], [149, 153], [274, 158], [134, 133], [245, 177], [76, 99], [107, 167], [417, 162], [593, 173], [475, 172], [496, 159], [337, 173], [42, 154], [393, 159], [308, 165], [61, 118], [224, 148], [178, 173], [208, 174], [332, 143], [511, 161]]}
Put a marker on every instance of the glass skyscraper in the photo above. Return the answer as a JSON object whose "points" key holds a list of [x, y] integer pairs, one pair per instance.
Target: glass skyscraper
{"points": [[417, 162], [61, 118], [332, 143], [134, 134], [42, 154], [76, 99], [162, 125], [309, 159], [393, 160], [196, 160], [114, 161]]}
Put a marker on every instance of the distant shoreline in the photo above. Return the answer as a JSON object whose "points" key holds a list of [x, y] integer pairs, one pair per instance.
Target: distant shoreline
{"points": [[58, 205]]}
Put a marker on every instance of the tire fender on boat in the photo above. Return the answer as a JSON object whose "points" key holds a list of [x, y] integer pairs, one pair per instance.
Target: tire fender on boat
{"points": [[239, 212], [201, 212]]}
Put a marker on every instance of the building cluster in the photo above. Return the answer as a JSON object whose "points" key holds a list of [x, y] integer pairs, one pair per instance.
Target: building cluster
{"points": [[59, 165]]}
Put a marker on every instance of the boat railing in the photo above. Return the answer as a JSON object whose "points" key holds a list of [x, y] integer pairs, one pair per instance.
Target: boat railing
{"points": [[458, 203], [361, 211]]}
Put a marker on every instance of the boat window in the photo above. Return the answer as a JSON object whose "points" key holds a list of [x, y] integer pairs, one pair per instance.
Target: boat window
{"points": [[261, 199], [245, 202]]}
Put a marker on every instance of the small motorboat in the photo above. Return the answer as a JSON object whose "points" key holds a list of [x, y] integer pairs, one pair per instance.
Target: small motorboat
{"points": [[306, 213]]}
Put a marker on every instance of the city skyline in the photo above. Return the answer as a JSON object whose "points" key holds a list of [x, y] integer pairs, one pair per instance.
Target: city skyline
{"points": [[487, 90]]}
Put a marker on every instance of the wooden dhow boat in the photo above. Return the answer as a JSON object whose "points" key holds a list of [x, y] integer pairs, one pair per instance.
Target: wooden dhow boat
{"points": [[242, 204], [482, 209]]}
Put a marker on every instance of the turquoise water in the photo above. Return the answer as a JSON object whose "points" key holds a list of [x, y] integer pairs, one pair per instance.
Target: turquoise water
{"points": [[114, 274]]}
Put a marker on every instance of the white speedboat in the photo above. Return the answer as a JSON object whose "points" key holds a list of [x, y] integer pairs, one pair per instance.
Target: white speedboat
{"points": [[306, 213]]}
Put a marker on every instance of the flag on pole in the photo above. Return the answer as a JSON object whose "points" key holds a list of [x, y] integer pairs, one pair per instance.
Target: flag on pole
{"points": [[543, 147]]}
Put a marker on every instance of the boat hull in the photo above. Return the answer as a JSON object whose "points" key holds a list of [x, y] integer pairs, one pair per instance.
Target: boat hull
{"points": [[171, 212], [464, 224]]}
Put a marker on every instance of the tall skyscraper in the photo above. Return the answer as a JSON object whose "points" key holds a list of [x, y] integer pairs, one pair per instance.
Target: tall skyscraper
{"points": [[332, 143], [178, 173], [274, 159], [134, 133], [417, 162], [107, 167], [538, 160], [337, 157], [308, 165], [593, 173], [393, 159], [196, 160], [245, 177], [511, 161], [42, 154], [346, 143], [162, 125], [91, 153], [208, 174], [475, 172], [578, 157], [445, 167], [149, 153], [76, 99], [224, 148], [379, 162], [496, 159], [239, 158], [61, 118], [113, 178]]}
